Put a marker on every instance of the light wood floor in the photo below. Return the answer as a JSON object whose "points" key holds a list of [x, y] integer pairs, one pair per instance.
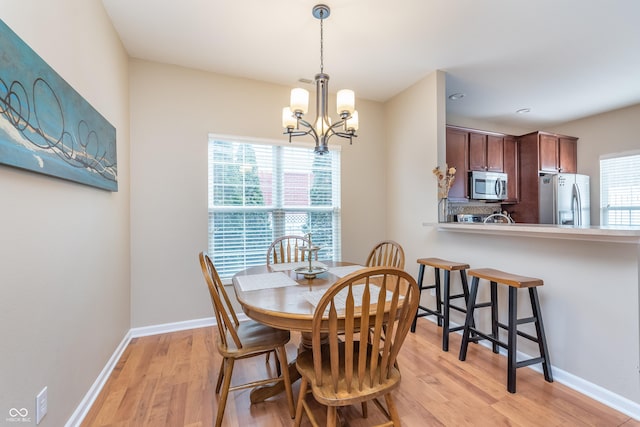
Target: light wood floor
{"points": [[169, 380]]}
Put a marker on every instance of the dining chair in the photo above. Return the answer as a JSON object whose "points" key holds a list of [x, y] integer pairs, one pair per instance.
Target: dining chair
{"points": [[353, 367], [287, 249], [237, 341], [386, 253]]}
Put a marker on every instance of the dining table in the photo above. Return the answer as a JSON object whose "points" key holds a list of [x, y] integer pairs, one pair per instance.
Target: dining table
{"points": [[279, 296]]}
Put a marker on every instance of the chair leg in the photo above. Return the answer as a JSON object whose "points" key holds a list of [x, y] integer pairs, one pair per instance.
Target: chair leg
{"points": [[222, 402], [301, 396], [365, 411], [220, 375], [332, 416], [393, 411], [284, 368]]}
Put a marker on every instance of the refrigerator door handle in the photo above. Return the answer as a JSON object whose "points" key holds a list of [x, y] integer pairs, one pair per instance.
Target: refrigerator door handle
{"points": [[576, 205]]}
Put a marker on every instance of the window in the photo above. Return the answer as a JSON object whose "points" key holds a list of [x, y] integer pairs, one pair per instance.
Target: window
{"points": [[620, 189], [258, 192]]}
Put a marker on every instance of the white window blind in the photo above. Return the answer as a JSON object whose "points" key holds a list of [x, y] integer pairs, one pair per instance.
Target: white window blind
{"points": [[259, 192], [620, 190]]}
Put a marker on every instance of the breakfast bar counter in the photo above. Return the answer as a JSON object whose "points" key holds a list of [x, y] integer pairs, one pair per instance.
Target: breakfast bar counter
{"points": [[615, 234]]}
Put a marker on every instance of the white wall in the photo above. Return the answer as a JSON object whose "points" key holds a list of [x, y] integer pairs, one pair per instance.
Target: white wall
{"points": [[173, 110], [64, 247]]}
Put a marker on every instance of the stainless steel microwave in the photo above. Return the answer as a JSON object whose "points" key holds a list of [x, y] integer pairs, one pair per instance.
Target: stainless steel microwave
{"points": [[488, 185]]}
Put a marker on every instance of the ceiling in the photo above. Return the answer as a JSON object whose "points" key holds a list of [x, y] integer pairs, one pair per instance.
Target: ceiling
{"points": [[562, 59]]}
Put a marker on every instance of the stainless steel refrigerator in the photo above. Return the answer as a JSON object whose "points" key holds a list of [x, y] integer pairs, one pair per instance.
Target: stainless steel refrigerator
{"points": [[564, 199]]}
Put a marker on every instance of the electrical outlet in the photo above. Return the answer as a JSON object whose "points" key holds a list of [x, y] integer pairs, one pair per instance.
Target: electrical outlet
{"points": [[41, 405]]}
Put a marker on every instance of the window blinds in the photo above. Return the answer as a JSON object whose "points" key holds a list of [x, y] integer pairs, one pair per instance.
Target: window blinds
{"points": [[258, 192], [620, 190]]}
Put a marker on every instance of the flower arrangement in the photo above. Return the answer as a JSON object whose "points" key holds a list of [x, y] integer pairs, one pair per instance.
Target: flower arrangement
{"points": [[445, 180]]}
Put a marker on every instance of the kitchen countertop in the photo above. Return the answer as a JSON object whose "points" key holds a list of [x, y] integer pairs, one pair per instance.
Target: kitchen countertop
{"points": [[616, 234]]}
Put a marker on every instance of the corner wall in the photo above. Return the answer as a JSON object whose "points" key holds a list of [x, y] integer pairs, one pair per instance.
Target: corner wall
{"points": [[64, 250], [415, 145]]}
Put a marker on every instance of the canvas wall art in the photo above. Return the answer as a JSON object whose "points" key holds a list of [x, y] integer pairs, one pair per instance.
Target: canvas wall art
{"points": [[46, 126]]}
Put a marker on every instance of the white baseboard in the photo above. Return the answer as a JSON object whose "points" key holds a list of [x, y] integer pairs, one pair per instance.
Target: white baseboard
{"points": [[83, 408], [594, 391]]}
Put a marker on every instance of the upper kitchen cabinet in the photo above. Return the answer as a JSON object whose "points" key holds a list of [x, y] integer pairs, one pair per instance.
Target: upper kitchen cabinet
{"points": [[457, 157], [556, 153], [541, 152], [486, 152]]}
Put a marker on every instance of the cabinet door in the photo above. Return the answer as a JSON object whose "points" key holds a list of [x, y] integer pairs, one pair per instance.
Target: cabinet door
{"points": [[477, 152], [457, 149], [495, 153], [548, 152], [511, 168], [567, 155]]}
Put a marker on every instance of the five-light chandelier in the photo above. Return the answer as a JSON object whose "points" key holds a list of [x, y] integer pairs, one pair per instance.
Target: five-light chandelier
{"points": [[322, 129]]}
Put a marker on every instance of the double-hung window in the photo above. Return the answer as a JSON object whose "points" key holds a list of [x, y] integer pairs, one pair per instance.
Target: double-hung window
{"points": [[260, 191], [620, 189]]}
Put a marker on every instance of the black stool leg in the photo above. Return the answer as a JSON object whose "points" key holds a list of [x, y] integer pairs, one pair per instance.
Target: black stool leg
{"points": [[465, 292], [512, 339], [473, 292], [420, 278], [445, 312], [542, 339], [494, 315], [438, 294]]}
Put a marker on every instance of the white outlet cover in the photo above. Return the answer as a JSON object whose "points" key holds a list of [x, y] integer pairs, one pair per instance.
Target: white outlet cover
{"points": [[41, 405]]}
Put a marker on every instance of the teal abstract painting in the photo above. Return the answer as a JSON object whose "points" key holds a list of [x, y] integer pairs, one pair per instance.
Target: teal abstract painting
{"points": [[46, 126]]}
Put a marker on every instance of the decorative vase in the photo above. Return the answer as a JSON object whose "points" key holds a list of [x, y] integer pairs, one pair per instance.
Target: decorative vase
{"points": [[443, 210]]}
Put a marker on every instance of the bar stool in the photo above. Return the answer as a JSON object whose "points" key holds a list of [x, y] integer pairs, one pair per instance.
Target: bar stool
{"points": [[514, 282], [443, 305]]}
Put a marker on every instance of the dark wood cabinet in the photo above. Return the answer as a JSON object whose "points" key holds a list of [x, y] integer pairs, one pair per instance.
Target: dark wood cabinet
{"points": [[510, 158], [540, 152], [567, 154], [485, 152], [557, 153], [457, 157]]}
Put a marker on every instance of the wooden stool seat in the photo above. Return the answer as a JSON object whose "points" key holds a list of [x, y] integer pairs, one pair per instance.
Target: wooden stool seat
{"points": [[443, 264], [509, 279], [471, 333], [443, 306]]}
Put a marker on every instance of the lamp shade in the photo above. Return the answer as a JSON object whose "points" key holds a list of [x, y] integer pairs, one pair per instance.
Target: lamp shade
{"points": [[288, 120], [352, 122], [299, 100], [346, 101]]}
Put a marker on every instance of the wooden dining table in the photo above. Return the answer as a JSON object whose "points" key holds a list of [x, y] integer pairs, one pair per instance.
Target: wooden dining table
{"points": [[278, 296]]}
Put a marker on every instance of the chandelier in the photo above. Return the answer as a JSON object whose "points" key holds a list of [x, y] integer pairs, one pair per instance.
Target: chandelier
{"points": [[322, 129]]}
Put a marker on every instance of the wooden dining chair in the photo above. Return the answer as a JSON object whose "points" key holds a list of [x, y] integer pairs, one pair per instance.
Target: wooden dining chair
{"points": [[287, 249], [351, 367], [386, 253], [237, 341]]}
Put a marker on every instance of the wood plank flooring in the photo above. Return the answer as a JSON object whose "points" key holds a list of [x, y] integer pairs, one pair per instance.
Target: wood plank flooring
{"points": [[169, 380]]}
